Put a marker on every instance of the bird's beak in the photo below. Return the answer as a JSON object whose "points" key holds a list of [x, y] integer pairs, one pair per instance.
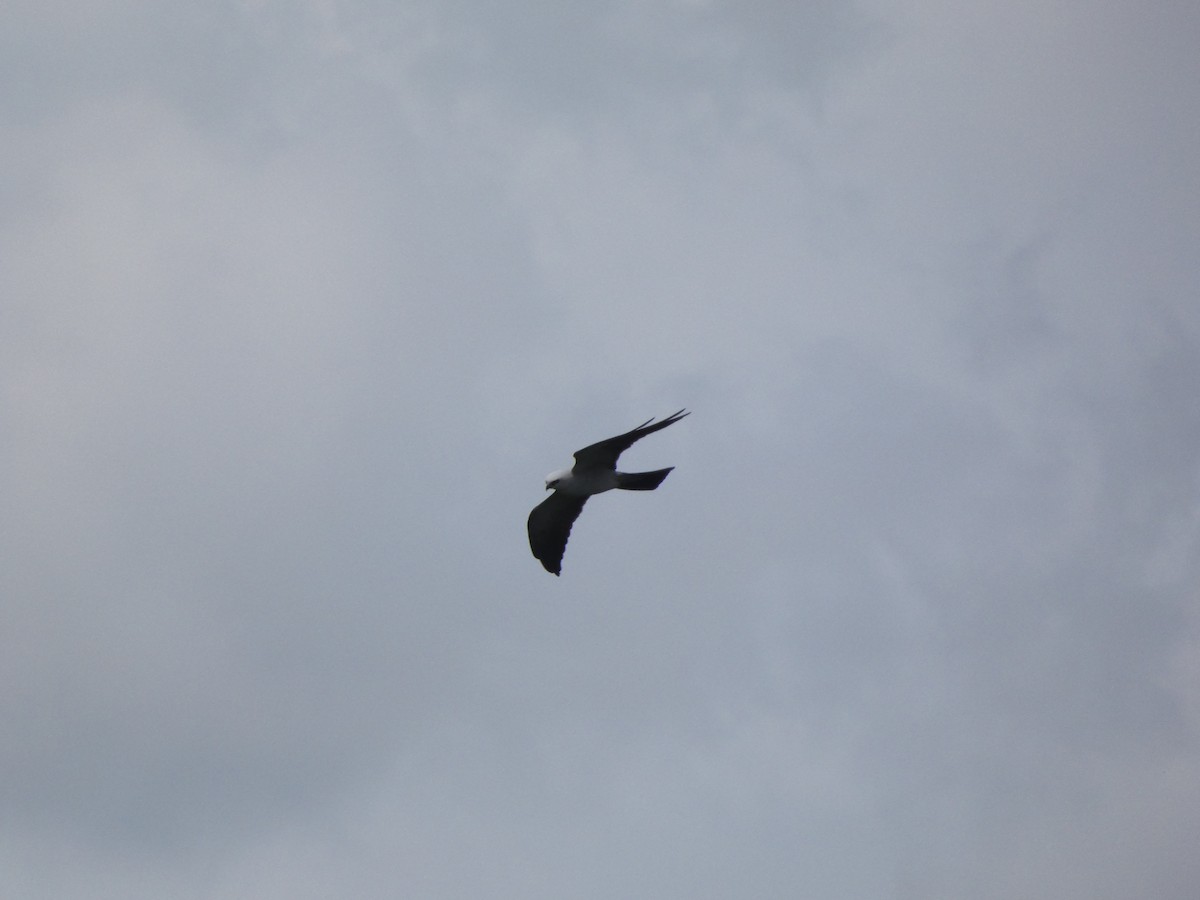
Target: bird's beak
{"points": [[547, 487]]}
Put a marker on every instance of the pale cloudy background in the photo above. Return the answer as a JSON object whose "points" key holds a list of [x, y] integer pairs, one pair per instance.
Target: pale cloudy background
{"points": [[299, 301]]}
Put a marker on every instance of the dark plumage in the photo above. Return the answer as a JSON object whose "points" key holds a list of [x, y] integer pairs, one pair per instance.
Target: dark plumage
{"points": [[594, 472]]}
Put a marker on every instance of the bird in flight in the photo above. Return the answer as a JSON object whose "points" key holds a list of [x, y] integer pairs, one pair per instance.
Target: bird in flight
{"points": [[594, 472]]}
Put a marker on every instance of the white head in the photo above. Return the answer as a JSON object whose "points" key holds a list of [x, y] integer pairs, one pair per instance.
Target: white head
{"points": [[553, 479]]}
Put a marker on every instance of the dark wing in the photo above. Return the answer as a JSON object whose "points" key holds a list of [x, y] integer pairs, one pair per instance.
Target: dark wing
{"points": [[603, 454], [550, 526]]}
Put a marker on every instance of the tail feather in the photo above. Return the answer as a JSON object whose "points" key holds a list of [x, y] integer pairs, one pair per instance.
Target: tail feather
{"points": [[641, 481]]}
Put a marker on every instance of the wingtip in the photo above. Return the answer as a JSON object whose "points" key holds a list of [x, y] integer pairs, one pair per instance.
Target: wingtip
{"points": [[671, 419]]}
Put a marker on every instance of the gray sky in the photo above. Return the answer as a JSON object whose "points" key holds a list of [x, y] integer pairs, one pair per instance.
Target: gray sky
{"points": [[299, 301]]}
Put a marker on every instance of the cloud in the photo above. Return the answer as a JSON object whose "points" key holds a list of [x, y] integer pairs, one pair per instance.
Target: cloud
{"points": [[304, 299]]}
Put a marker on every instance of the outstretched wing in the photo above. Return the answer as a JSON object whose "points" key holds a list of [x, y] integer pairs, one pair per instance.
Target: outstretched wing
{"points": [[603, 454], [550, 526]]}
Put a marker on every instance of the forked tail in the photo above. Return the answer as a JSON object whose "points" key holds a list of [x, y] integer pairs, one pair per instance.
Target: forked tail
{"points": [[641, 481]]}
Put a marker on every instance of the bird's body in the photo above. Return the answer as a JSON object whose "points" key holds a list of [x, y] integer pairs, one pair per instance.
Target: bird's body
{"points": [[585, 483], [594, 472]]}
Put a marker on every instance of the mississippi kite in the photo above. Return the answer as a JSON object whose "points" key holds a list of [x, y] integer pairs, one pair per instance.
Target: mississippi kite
{"points": [[594, 472]]}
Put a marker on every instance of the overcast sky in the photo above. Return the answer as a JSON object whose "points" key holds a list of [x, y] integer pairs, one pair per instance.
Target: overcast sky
{"points": [[300, 301]]}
